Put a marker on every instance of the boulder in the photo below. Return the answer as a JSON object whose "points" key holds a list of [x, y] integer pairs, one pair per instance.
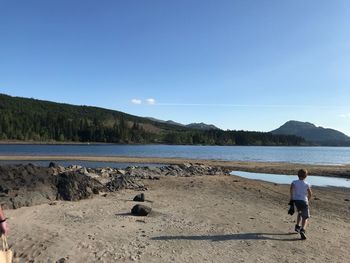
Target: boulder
{"points": [[139, 198], [141, 210], [72, 186], [26, 185]]}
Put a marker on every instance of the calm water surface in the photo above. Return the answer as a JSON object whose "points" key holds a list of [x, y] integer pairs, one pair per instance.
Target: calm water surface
{"points": [[287, 179], [307, 155]]}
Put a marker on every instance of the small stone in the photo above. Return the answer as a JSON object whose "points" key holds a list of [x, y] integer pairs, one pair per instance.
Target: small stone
{"points": [[141, 210], [139, 198]]}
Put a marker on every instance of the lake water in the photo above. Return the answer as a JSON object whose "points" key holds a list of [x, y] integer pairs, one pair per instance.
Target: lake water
{"points": [[287, 179], [303, 155]]}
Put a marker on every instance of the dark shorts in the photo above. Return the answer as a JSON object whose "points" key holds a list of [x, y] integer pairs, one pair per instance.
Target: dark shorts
{"points": [[302, 208]]}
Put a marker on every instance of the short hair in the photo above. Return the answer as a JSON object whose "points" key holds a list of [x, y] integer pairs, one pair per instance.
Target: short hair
{"points": [[302, 173]]}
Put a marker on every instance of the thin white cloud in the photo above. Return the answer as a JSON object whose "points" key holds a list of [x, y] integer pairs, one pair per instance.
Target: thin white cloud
{"points": [[136, 101], [151, 101]]}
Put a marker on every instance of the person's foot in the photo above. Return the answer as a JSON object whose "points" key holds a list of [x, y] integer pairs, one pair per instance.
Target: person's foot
{"points": [[302, 234], [297, 228]]}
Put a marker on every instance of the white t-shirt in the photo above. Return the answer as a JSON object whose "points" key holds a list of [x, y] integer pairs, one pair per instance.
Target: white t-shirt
{"points": [[300, 190]]}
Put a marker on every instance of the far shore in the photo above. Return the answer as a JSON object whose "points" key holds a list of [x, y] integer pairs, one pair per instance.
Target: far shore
{"points": [[257, 167], [50, 142]]}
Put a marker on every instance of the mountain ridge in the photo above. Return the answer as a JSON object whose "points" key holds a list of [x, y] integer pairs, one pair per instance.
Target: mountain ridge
{"points": [[315, 134], [194, 125]]}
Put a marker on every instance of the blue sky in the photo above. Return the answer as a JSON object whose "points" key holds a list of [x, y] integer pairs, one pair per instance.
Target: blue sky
{"points": [[250, 65]]}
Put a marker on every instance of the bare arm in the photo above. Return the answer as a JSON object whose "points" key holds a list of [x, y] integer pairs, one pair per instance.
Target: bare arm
{"points": [[4, 229], [2, 216], [309, 194], [291, 192]]}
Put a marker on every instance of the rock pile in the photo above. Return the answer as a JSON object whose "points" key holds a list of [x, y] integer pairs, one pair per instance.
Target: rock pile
{"points": [[26, 185], [125, 182], [188, 169]]}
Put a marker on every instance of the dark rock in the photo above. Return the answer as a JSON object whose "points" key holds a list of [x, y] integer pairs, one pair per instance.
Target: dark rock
{"points": [[141, 210], [139, 198], [72, 186], [151, 177], [53, 165], [26, 185]]}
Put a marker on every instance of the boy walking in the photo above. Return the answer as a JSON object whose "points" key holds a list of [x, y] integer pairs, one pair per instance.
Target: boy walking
{"points": [[300, 194]]}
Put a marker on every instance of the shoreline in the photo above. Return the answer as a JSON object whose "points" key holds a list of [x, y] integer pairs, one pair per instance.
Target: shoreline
{"points": [[50, 143], [10, 142], [257, 167]]}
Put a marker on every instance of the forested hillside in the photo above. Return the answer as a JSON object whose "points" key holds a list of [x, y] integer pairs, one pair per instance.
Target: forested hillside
{"points": [[35, 120]]}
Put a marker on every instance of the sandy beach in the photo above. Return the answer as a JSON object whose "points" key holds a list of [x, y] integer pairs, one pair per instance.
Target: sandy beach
{"points": [[193, 219]]}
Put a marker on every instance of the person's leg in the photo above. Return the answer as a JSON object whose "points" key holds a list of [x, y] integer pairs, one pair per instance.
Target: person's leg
{"points": [[302, 229], [298, 219], [305, 215], [304, 223], [297, 226]]}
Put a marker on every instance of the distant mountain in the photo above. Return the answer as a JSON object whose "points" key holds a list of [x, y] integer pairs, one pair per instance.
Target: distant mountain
{"points": [[166, 122], [202, 126], [313, 134], [199, 126]]}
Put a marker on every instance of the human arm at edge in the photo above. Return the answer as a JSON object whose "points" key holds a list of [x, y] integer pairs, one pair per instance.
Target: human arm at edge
{"points": [[309, 193], [4, 229]]}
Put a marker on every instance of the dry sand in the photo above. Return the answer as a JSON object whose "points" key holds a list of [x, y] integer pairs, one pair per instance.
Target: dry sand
{"points": [[194, 219]]}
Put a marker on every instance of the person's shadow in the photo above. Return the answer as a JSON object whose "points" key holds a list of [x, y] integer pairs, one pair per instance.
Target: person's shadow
{"points": [[242, 236]]}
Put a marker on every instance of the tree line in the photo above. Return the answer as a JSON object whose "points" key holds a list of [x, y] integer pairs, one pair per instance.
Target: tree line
{"points": [[35, 120]]}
